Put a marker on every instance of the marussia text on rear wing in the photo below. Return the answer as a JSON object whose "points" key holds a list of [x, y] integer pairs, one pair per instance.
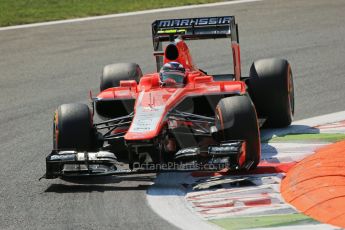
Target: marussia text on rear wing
{"points": [[194, 28]]}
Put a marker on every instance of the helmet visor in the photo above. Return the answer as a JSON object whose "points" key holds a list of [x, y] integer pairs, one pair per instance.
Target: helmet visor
{"points": [[177, 76]]}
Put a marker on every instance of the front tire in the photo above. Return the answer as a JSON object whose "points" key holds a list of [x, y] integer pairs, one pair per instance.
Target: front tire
{"points": [[236, 120], [73, 128]]}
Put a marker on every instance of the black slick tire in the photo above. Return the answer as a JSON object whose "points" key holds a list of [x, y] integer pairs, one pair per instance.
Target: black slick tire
{"points": [[114, 73], [271, 89], [73, 129], [236, 120]]}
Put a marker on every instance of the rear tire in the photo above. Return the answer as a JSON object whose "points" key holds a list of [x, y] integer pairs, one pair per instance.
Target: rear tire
{"points": [[236, 120], [114, 73], [73, 128], [271, 88]]}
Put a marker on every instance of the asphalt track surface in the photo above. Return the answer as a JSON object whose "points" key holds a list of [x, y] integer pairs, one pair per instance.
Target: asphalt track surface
{"points": [[43, 67]]}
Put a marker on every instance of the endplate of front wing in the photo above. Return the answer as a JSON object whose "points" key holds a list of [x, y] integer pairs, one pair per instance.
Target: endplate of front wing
{"points": [[73, 163]]}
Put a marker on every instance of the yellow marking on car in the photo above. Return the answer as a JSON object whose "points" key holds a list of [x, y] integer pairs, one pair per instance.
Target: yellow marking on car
{"points": [[173, 31]]}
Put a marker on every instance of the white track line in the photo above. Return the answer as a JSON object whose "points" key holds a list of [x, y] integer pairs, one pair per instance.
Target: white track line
{"points": [[126, 14], [167, 199], [320, 120], [302, 125]]}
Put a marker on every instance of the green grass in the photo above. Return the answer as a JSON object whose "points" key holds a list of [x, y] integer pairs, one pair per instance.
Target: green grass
{"points": [[14, 12], [263, 221], [328, 137]]}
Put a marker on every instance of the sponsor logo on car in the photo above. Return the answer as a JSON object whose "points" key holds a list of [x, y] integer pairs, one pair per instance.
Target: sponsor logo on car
{"points": [[194, 22]]}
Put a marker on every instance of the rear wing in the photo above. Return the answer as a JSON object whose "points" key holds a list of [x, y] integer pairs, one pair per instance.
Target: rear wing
{"points": [[195, 28], [192, 29]]}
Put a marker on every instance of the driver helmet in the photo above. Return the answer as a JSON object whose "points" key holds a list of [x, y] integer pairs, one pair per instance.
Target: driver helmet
{"points": [[172, 71]]}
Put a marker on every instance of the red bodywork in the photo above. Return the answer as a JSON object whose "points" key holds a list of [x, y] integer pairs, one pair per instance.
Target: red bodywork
{"points": [[153, 101]]}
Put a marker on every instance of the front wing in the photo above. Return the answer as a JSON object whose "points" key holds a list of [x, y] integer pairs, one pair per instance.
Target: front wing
{"points": [[62, 163]]}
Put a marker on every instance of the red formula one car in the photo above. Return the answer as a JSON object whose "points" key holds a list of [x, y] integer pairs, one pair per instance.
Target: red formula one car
{"points": [[177, 118]]}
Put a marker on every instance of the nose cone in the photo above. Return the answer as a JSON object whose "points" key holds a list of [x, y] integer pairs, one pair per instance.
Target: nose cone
{"points": [[146, 123], [150, 110]]}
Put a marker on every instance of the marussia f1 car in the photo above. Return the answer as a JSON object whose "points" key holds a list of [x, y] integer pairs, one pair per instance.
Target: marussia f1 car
{"points": [[210, 122]]}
